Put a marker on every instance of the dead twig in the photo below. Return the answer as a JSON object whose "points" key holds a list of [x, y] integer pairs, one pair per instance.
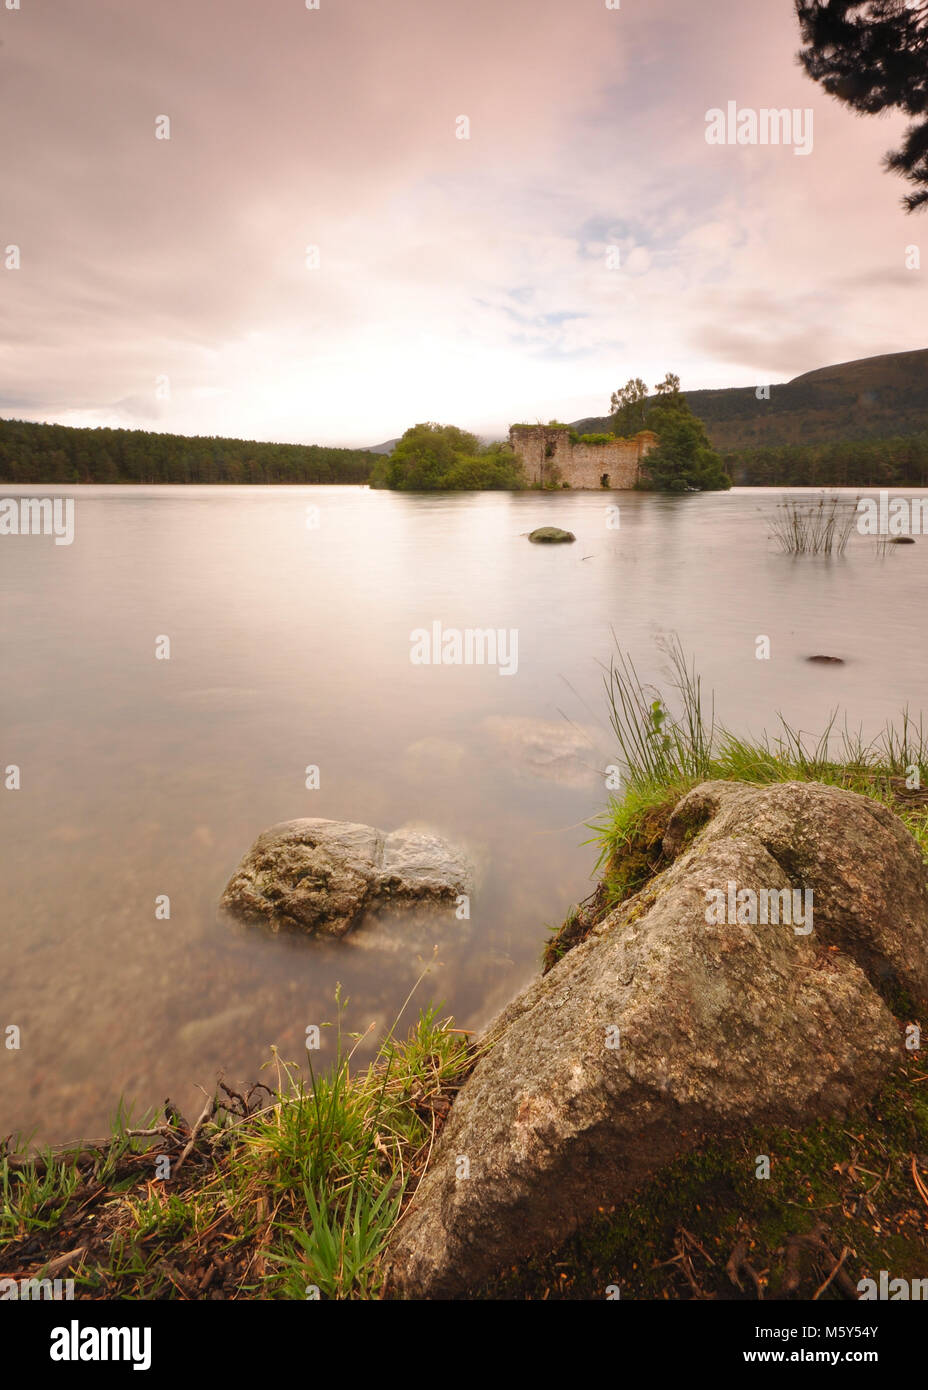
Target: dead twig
{"points": [[822, 1287], [685, 1242], [814, 1242], [206, 1112], [738, 1262], [920, 1187], [87, 1155]]}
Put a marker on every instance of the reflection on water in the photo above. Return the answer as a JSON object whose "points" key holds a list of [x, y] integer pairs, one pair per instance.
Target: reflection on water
{"points": [[290, 646]]}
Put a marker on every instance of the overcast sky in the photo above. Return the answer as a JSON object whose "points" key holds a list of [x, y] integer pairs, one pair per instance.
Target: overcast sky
{"points": [[459, 280]]}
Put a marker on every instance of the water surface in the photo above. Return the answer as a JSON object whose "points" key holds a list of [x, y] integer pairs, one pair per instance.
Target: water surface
{"points": [[290, 646]]}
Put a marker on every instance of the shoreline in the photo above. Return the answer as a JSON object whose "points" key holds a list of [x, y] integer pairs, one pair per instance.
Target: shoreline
{"points": [[702, 1228]]}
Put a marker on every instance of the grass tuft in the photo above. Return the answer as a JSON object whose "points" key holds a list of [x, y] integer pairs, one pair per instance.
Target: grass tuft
{"points": [[290, 1196], [669, 743]]}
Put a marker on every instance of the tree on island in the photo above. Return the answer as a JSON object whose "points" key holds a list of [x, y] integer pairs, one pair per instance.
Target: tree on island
{"points": [[873, 56], [627, 406], [684, 460], [432, 457], [670, 386]]}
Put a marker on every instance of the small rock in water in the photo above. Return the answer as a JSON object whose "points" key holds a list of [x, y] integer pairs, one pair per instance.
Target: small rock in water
{"points": [[200, 1031], [434, 757], [320, 877], [550, 535], [902, 540], [827, 660]]}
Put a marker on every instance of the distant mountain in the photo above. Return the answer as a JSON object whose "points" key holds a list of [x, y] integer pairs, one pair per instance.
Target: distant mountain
{"points": [[864, 399], [386, 448]]}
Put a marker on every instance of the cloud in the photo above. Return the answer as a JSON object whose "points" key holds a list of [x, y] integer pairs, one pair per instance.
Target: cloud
{"points": [[456, 279]]}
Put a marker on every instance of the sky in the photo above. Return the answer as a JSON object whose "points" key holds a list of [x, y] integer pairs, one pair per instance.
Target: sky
{"points": [[372, 214]]}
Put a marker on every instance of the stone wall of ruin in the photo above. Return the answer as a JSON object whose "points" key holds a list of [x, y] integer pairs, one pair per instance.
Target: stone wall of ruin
{"points": [[544, 448]]}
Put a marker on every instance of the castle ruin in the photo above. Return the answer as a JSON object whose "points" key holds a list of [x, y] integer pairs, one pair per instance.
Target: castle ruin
{"points": [[549, 456]]}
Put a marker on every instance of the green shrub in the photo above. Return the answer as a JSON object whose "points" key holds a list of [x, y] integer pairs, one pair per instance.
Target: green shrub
{"points": [[431, 458], [486, 472]]}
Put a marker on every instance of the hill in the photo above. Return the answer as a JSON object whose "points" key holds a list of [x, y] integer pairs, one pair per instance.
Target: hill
{"points": [[871, 398], [386, 447]]}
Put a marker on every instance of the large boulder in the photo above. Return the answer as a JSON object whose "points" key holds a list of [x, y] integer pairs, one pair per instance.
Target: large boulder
{"points": [[320, 877], [667, 1025]]}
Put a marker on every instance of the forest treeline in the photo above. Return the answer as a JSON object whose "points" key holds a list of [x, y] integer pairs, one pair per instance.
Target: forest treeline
{"points": [[33, 453], [901, 460]]}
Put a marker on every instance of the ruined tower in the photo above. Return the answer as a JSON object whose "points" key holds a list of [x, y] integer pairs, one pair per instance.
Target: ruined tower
{"points": [[549, 456]]}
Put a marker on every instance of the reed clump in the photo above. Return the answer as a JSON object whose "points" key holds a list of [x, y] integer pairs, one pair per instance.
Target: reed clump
{"points": [[819, 526]]}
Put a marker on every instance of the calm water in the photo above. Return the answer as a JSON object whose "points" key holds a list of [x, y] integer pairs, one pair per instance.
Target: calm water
{"points": [[290, 646]]}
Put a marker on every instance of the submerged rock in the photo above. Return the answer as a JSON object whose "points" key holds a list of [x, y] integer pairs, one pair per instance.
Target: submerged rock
{"points": [[559, 752], [550, 535], [320, 877], [431, 757], [666, 1026]]}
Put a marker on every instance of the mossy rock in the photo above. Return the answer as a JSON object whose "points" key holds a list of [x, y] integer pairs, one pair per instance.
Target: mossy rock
{"points": [[550, 535], [709, 1203]]}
